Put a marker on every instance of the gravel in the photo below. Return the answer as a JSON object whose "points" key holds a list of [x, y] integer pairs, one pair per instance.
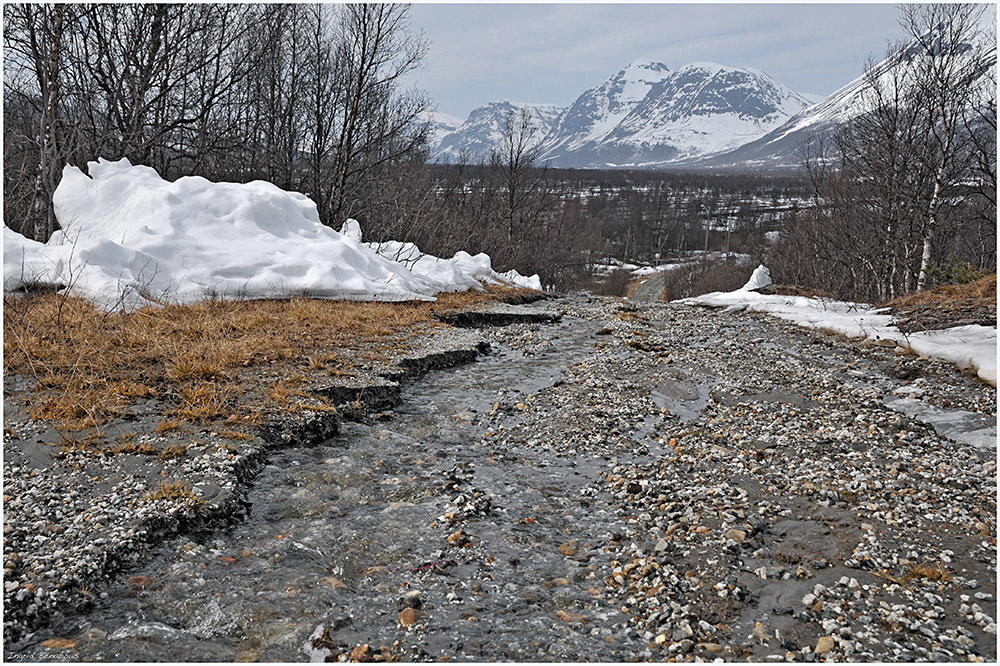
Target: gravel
{"points": [[790, 514]]}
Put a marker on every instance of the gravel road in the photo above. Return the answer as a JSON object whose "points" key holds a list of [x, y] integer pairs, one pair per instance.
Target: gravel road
{"points": [[636, 482], [650, 290]]}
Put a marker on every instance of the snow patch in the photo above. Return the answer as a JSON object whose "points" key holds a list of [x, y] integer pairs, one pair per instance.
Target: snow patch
{"points": [[966, 346]]}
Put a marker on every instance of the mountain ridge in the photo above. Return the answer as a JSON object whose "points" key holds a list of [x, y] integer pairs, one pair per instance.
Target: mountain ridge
{"points": [[645, 115]]}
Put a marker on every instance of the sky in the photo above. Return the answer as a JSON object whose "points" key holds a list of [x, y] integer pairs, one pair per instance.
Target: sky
{"points": [[551, 53]]}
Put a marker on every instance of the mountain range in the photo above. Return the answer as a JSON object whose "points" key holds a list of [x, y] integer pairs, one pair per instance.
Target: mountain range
{"points": [[702, 115], [780, 148], [644, 116]]}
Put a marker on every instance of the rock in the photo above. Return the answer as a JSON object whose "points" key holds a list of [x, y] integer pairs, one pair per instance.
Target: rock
{"points": [[409, 617], [739, 536], [361, 653], [456, 538], [569, 616], [335, 583], [410, 600], [568, 549], [824, 645]]}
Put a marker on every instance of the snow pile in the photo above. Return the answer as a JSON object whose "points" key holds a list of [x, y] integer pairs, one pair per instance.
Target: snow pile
{"points": [[463, 271], [966, 346], [131, 239], [761, 277]]}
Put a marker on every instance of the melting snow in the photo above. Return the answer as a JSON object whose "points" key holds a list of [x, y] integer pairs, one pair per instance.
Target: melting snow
{"points": [[966, 346], [129, 239]]}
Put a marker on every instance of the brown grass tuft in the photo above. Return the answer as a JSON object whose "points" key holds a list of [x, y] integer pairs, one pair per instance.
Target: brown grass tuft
{"points": [[173, 490], [173, 451], [168, 425], [137, 449], [981, 292], [927, 571]]}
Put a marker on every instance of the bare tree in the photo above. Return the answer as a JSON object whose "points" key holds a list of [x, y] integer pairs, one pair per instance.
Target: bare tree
{"points": [[946, 58], [374, 121], [521, 183], [901, 169], [36, 38]]}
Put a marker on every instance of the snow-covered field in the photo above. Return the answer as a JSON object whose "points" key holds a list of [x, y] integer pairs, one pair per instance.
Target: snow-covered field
{"points": [[966, 346], [129, 239]]}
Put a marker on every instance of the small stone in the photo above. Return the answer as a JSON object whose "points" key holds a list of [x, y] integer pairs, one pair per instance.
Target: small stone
{"points": [[409, 616], [739, 536], [455, 538], [568, 549], [410, 600], [335, 583], [824, 645], [95, 634], [568, 616], [361, 653]]}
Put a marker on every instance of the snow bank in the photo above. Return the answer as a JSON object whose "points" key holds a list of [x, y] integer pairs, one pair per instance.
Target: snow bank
{"points": [[966, 346], [131, 239]]}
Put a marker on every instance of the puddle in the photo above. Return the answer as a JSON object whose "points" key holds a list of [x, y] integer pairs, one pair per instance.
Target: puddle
{"points": [[978, 430], [683, 397]]}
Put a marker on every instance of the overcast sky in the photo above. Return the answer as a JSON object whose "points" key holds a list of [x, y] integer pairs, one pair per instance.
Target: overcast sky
{"points": [[551, 53]]}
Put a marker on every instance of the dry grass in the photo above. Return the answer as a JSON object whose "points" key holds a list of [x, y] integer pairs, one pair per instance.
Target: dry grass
{"points": [[174, 491], [200, 363], [979, 293], [932, 571], [927, 571], [173, 451]]}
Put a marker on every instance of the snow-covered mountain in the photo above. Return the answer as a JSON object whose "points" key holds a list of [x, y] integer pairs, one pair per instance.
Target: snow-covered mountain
{"points": [[441, 125], [643, 116], [485, 128], [781, 148], [596, 113], [648, 116]]}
